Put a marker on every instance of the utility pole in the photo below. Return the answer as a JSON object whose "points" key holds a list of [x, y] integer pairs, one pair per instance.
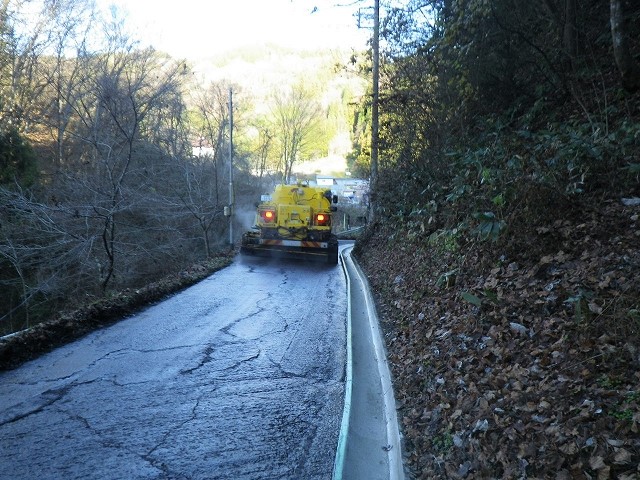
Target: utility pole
{"points": [[231, 194], [374, 109]]}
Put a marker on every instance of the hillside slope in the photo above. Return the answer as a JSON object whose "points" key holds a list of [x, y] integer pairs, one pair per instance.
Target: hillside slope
{"points": [[519, 358]]}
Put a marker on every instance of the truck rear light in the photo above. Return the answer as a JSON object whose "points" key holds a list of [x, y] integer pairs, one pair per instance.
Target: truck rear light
{"points": [[323, 219], [268, 216]]}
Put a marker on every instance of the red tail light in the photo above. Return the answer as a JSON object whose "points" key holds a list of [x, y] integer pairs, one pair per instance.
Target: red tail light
{"points": [[323, 219], [268, 216]]}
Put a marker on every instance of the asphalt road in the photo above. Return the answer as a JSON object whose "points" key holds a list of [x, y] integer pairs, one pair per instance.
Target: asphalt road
{"points": [[238, 377]]}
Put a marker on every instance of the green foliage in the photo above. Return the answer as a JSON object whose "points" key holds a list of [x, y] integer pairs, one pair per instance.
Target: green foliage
{"points": [[447, 279], [633, 169], [471, 298], [609, 382], [580, 303], [489, 227], [17, 160], [458, 192], [443, 442], [627, 407], [509, 117], [445, 240], [491, 96]]}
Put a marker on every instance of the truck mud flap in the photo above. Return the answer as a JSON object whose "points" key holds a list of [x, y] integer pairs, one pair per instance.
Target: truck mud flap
{"points": [[325, 255]]}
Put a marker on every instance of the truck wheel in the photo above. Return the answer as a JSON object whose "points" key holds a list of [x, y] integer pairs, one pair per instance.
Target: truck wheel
{"points": [[332, 259]]}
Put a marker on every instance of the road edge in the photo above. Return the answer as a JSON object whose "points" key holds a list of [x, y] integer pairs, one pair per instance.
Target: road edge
{"points": [[392, 441], [341, 450]]}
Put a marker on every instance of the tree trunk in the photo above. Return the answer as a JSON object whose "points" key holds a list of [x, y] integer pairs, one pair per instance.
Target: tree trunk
{"points": [[570, 32], [108, 242], [629, 69]]}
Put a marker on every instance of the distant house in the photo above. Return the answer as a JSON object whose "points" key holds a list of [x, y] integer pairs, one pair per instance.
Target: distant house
{"points": [[349, 190], [202, 148], [322, 181]]}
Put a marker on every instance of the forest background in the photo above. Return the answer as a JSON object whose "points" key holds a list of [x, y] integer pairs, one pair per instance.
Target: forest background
{"points": [[505, 248], [504, 242], [115, 159]]}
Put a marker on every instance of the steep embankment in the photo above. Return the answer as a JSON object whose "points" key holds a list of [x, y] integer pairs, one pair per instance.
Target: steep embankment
{"points": [[68, 326], [515, 359]]}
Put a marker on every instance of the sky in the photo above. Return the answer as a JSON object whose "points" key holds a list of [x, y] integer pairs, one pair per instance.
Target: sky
{"points": [[201, 28]]}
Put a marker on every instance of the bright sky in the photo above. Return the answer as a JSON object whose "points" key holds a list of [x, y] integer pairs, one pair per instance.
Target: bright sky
{"points": [[199, 28]]}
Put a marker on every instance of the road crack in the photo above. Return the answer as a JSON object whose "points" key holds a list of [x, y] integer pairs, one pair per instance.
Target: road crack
{"points": [[216, 354], [157, 462], [44, 401]]}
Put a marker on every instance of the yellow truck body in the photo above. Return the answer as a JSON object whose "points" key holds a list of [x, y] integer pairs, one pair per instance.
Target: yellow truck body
{"points": [[294, 222]]}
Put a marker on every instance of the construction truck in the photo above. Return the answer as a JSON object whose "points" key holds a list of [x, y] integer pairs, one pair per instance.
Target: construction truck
{"points": [[294, 222]]}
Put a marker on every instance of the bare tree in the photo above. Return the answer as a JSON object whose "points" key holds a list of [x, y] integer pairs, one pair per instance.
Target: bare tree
{"points": [[47, 246], [123, 195], [64, 73], [166, 126], [627, 65], [295, 115], [196, 193], [201, 181], [128, 86], [264, 149], [21, 53], [212, 121]]}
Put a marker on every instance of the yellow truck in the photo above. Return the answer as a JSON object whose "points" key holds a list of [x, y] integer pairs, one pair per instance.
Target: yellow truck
{"points": [[294, 222]]}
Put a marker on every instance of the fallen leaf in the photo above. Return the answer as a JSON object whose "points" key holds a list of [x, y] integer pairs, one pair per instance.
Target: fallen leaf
{"points": [[622, 456], [597, 462]]}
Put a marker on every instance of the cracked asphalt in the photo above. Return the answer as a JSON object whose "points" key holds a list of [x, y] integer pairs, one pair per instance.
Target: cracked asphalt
{"points": [[238, 377]]}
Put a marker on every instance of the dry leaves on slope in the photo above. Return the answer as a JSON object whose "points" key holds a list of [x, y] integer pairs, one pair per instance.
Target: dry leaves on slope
{"points": [[527, 368]]}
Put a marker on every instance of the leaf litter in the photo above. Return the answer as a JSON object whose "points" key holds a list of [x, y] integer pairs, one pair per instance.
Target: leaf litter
{"points": [[527, 364]]}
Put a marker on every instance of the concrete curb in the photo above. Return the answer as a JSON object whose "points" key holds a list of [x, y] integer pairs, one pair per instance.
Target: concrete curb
{"points": [[369, 445], [338, 466]]}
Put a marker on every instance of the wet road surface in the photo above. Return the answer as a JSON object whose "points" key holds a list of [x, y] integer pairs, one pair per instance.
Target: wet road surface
{"points": [[238, 377]]}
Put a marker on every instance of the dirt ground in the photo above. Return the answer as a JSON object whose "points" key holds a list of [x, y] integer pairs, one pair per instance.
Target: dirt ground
{"points": [[518, 358]]}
